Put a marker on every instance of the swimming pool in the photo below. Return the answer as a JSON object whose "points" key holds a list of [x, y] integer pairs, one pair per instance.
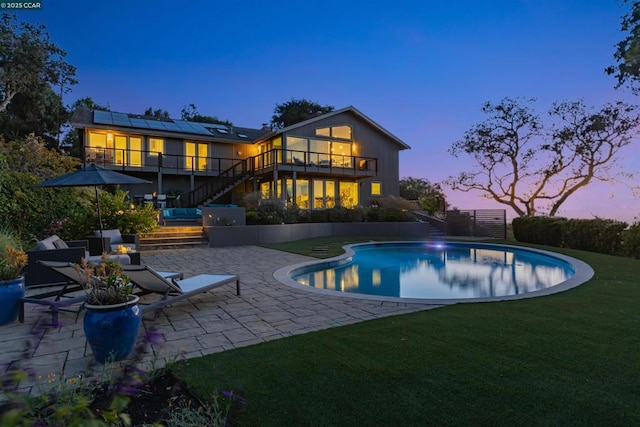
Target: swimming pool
{"points": [[440, 272]]}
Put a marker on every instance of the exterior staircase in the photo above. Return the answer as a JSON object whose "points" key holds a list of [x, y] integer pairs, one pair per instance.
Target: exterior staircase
{"points": [[174, 237]]}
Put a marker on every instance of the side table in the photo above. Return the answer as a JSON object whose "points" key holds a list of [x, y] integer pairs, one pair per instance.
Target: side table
{"points": [[135, 257]]}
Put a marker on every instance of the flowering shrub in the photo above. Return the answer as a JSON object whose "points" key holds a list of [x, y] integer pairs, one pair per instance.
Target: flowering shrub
{"points": [[12, 258], [105, 283]]}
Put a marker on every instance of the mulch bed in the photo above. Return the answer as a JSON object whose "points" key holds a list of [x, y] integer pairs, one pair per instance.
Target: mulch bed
{"points": [[156, 398]]}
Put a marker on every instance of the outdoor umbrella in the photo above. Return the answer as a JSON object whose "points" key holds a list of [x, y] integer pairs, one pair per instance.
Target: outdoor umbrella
{"points": [[92, 176]]}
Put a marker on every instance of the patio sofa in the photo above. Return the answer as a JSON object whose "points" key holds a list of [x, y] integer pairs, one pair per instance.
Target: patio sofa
{"points": [[55, 249], [182, 216]]}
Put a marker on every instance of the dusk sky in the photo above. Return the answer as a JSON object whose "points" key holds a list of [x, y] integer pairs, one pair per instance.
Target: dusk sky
{"points": [[421, 69]]}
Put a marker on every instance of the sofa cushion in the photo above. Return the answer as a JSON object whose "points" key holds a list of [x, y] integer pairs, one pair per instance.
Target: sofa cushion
{"points": [[167, 213], [114, 235], [47, 244], [60, 244], [181, 212]]}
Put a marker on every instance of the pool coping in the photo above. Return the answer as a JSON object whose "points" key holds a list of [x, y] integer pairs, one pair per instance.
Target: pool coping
{"points": [[583, 273]]}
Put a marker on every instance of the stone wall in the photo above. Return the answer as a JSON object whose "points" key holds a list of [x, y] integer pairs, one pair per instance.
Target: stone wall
{"points": [[260, 234]]}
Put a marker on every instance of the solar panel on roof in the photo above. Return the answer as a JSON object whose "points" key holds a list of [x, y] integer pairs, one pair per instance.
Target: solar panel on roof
{"points": [[172, 127], [139, 123], [152, 124], [102, 117], [199, 129], [121, 121], [184, 126]]}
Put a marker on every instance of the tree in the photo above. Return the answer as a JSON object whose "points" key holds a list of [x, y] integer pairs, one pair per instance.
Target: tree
{"points": [[28, 59], [296, 111], [627, 54], [428, 196], [190, 113], [158, 113], [39, 112], [37, 212], [532, 169], [88, 104]]}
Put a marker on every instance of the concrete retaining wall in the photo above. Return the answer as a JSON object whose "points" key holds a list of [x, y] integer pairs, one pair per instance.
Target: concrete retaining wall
{"points": [[214, 216], [260, 234]]}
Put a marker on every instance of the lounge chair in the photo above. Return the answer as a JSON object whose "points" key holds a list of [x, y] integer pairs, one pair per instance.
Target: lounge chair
{"points": [[172, 290], [73, 284], [59, 291]]}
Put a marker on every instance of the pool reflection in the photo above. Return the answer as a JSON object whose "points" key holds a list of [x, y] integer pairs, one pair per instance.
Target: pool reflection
{"points": [[447, 272]]}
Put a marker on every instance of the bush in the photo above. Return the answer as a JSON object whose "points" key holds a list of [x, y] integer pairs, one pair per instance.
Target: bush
{"points": [[252, 218], [319, 215], [631, 241], [118, 212], [342, 214], [595, 235], [35, 212], [540, 230]]}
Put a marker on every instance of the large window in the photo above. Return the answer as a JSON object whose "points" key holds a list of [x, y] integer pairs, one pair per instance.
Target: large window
{"points": [[349, 194], [97, 149], [341, 154], [156, 146], [319, 152], [324, 194], [341, 132], [195, 155], [312, 194], [108, 148], [297, 149], [128, 150], [302, 193]]}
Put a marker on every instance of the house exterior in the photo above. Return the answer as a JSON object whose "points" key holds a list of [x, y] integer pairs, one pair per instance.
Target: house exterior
{"points": [[341, 158]]}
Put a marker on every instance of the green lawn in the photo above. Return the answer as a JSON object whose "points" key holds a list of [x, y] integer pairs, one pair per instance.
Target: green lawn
{"points": [[566, 359]]}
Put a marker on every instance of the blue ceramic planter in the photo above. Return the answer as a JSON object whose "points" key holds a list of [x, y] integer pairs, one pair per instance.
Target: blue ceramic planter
{"points": [[112, 330], [10, 292]]}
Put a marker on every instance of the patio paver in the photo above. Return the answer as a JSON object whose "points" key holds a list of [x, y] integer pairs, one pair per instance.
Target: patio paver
{"points": [[211, 322]]}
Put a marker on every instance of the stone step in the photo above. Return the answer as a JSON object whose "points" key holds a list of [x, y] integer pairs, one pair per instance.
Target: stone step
{"points": [[160, 234], [171, 245], [173, 237]]}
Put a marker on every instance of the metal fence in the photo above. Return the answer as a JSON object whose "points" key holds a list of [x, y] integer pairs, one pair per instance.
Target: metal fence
{"points": [[477, 223]]}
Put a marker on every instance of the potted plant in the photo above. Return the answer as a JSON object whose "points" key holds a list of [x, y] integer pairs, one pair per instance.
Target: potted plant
{"points": [[12, 262], [112, 320]]}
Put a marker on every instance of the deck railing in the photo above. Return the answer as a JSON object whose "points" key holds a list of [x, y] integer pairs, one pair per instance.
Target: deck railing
{"points": [[218, 166]]}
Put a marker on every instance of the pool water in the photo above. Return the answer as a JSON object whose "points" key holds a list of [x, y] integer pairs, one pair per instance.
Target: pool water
{"points": [[437, 271]]}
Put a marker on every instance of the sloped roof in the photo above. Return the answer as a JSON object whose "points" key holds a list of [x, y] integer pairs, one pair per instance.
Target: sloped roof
{"points": [[352, 110], [163, 127], [205, 131]]}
